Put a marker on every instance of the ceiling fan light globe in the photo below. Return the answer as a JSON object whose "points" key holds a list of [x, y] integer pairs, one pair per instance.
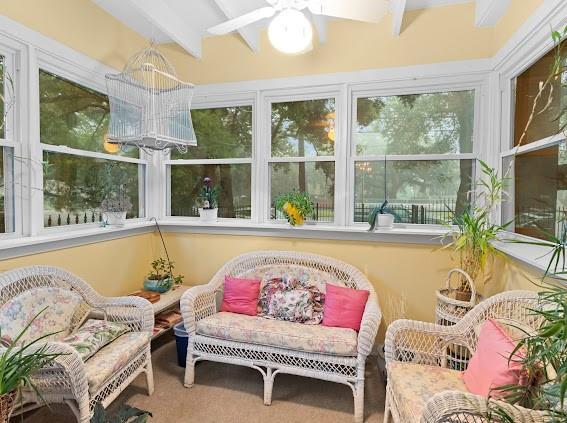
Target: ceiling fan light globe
{"points": [[291, 32]]}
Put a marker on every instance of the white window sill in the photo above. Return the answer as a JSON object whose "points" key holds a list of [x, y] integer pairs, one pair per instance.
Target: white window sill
{"points": [[535, 256], [66, 237]]}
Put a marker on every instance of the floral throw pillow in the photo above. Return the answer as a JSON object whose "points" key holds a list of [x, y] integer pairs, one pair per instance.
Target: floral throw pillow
{"points": [[291, 300], [94, 335]]}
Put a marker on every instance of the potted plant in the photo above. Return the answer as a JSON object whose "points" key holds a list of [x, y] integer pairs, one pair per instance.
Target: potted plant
{"points": [[18, 361], [161, 278], [381, 217], [115, 206], [208, 201], [296, 207]]}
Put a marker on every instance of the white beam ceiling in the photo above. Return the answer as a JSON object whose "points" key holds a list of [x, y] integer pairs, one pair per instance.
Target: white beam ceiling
{"points": [[249, 34], [489, 12], [398, 7]]}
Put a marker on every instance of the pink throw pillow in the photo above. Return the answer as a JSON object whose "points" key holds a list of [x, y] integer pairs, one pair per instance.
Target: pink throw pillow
{"points": [[490, 367], [240, 295], [344, 307]]}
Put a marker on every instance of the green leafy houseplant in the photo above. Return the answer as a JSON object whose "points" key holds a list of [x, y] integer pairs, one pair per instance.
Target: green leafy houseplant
{"points": [[373, 215], [296, 207], [161, 278], [472, 232], [125, 414], [18, 361], [208, 196]]}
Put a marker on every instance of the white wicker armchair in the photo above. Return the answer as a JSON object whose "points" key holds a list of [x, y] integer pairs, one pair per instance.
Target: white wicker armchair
{"points": [[421, 358], [200, 302], [70, 380]]}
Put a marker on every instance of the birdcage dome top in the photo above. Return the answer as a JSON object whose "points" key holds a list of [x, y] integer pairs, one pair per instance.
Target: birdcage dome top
{"points": [[150, 107]]}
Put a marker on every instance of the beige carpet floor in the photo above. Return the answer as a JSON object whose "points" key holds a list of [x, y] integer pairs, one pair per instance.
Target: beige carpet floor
{"points": [[227, 393]]}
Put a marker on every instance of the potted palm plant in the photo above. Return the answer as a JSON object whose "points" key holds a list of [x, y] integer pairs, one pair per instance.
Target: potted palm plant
{"points": [[115, 207], [208, 201], [18, 362], [296, 207]]}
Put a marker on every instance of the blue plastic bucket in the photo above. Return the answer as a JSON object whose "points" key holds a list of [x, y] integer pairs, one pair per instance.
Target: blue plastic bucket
{"points": [[181, 339]]}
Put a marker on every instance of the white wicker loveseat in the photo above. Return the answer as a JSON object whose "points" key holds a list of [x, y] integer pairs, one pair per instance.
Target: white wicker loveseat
{"points": [[69, 300], [271, 346], [420, 358]]}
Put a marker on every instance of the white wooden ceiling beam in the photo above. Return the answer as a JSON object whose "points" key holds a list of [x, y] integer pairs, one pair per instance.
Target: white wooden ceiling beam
{"points": [[489, 12], [170, 23], [397, 7], [248, 34], [320, 24]]}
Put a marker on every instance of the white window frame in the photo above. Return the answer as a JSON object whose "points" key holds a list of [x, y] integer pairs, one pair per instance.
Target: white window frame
{"points": [[84, 78], [270, 97], [478, 86], [210, 102]]}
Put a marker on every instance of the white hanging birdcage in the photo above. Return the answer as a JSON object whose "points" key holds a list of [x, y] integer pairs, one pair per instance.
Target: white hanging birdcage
{"points": [[150, 108]]}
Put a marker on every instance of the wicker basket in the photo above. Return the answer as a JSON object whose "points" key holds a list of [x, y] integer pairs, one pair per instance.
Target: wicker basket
{"points": [[450, 309], [7, 403]]}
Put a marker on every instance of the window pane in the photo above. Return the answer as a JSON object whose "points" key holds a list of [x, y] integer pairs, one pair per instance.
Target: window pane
{"points": [[315, 178], [75, 186], [7, 192], [541, 191], [303, 128], [233, 181], [549, 117], [435, 123], [74, 116], [424, 191], [224, 132]]}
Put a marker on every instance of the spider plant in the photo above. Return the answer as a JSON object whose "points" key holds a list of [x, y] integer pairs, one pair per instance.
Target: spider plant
{"points": [[19, 360]]}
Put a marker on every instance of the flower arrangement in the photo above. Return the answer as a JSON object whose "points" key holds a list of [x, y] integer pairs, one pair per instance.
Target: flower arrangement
{"points": [[208, 197], [296, 206]]}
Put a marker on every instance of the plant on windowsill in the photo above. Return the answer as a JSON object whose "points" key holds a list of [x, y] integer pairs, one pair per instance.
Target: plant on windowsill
{"points": [[208, 201], [18, 361], [381, 217], [115, 206], [296, 206], [161, 279]]}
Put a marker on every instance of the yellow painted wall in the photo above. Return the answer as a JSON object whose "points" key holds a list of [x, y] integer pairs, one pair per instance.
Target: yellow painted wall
{"points": [[432, 35], [113, 268]]}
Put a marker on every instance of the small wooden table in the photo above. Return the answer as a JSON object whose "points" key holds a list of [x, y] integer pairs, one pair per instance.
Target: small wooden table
{"points": [[166, 301]]}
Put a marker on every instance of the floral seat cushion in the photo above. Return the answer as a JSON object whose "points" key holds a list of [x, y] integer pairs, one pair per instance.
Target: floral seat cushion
{"points": [[60, 307], [94, 335], [276, 333], [113, 357], [414, 384]]}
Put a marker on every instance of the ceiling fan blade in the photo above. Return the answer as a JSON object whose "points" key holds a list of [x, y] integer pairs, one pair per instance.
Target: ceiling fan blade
{"points": [[243, 20], [357, 10]]}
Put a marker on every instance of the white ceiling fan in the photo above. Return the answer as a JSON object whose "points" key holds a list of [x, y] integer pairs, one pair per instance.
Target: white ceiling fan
{"points": [[290, 31]]}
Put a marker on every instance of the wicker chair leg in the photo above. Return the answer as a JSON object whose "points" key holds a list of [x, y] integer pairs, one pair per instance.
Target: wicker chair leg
{"points": [[268, 385], [189, 371], [150, 377], [387, 407], [359, 401]]}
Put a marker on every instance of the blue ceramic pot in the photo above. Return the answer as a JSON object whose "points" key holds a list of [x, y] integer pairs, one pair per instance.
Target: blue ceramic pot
{"points": [[158, 285]]}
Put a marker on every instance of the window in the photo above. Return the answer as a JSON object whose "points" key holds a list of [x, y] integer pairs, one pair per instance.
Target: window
{"points": [[416, 152], [79, 166], [536, 165], [7, 197], [303, 153], [223, 153]]}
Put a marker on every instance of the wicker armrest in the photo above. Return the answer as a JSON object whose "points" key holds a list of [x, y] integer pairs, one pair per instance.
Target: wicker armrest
{"points": [[197, 303], [136, 312], [369, 326], [411, 340], [455, 406]]}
